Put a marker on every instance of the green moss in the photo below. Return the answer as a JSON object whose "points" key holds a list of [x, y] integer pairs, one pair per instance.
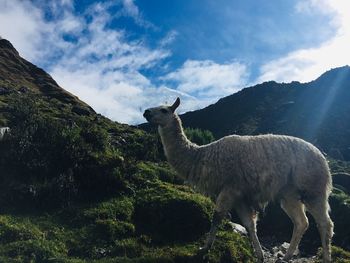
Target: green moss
{"points": [[11, 231], [111, 230], [130, 247], [170, 213], [32, 250], [153, 171], [339, 255], [231, 247], [116, 208]]}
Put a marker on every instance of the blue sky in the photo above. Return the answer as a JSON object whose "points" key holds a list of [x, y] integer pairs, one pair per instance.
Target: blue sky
{"points": [[122, 56]]}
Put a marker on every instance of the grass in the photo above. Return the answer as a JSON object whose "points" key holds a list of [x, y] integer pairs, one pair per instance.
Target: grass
{"points": [[159, 223]]}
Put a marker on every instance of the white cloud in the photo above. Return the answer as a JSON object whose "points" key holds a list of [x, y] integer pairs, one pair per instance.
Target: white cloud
{"points": [[169, 38], [130, 9], [21, 22], [104, 68], [101, 66], [207, 79], [307, 64]]}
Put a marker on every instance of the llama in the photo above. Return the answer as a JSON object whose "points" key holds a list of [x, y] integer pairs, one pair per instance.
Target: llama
{"points": [[246, 172]]}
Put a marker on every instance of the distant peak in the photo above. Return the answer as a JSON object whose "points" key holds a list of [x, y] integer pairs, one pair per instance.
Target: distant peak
{"points": [[5, 44], [334, 71], [346, 67]]}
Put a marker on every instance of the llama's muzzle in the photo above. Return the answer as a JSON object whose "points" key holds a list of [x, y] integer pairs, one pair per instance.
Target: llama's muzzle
{"points": [[147, 115]]}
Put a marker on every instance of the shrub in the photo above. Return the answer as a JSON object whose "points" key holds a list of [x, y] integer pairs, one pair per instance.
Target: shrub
{"points": [[57, 160], [11, 231], [199, 136], [39, 251]]}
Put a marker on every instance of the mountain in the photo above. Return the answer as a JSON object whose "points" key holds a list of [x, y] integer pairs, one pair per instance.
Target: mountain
{"points": [[20, 76], [318, 111]]}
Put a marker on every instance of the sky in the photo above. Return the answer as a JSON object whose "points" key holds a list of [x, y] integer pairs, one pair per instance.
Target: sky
{"points": [[123, 56]]}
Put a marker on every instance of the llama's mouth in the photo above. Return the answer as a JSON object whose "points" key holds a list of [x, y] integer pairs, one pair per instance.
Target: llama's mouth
{"points": [[147, 115]]}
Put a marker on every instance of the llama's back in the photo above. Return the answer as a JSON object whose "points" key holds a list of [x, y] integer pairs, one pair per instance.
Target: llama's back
{"points": [[265, 165]]}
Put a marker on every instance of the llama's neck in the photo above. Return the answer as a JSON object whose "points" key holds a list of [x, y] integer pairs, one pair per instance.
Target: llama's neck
{"points": [[180, 152]]}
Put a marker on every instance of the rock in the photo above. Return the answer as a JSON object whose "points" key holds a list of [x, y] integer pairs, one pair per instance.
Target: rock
{"points": [[276, 253], [284, 247], [239, 229]]}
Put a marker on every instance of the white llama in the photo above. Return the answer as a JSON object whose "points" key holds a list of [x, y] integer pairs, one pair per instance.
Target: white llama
{"points": [[246, 172]]}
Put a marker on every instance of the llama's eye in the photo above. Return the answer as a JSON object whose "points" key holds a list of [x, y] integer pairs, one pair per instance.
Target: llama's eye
{"points": [[164, 111]]}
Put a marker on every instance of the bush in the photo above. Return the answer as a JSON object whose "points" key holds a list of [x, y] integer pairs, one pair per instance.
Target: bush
{"points": [[57, 160], [340, 255], [199, 136], [11, 231], [39, 251], [23, 241], [340, 214]]}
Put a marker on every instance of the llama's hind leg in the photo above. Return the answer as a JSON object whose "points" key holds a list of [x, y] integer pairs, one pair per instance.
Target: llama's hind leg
{"points": [[249, 217], [296, 212], [319, 210]]}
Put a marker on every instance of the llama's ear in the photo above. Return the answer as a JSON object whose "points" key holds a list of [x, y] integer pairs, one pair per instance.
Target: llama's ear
{"points": [[175, 105]]}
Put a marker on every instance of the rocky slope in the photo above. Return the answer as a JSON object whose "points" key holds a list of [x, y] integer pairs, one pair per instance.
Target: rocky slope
{"points": [[20, 76]]}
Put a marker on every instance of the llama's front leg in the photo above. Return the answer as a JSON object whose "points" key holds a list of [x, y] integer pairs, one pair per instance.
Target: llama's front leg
{"points": [[223, 204], [217, 219]]}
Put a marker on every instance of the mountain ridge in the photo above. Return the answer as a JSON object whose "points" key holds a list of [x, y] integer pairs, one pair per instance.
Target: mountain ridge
{"points": [[17, 75], [317, 111]]}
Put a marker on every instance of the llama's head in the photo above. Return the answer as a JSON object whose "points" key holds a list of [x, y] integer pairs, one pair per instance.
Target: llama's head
{"points": [[161, 115]]}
